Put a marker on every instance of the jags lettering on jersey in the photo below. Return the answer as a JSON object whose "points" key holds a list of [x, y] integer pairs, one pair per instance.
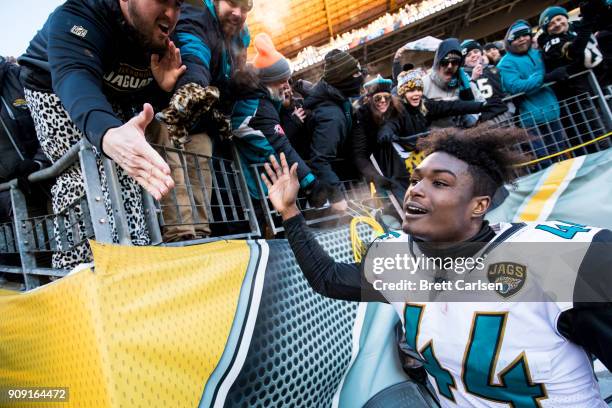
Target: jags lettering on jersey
{"points": [[128, 78], [510, 274]]}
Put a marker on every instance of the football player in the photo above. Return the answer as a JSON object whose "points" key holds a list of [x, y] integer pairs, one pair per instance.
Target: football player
{"points": [[476, 354]]}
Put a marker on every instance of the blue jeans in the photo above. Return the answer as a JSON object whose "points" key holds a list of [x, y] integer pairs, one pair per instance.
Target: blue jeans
{"points": [[550, 138]]}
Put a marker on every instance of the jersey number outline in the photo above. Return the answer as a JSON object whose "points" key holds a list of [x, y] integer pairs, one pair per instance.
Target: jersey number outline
{"points": [[563, 229], [485, 89], [487, 331]]}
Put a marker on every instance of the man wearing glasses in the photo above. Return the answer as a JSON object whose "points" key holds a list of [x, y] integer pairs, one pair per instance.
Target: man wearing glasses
{"points": [[448, 81]]}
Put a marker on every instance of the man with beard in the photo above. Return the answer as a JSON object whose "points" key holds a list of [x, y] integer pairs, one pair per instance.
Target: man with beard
{"points": [[522, 351], [87, 73], [213, 40], [256, 124], [448, 81], [331, 122]]}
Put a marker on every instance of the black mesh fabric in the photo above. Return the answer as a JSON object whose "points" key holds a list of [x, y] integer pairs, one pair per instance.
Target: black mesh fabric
{"points": [[301, 343]]}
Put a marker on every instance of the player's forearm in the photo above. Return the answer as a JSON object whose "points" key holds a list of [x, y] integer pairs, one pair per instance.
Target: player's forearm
{"points": [[325, 276]]}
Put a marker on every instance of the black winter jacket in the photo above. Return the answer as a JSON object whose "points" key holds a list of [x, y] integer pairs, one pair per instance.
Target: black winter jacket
{"points": [[87, 55], [210, 58], [364, 142], [405, 127], [330, 124], [18, 139]]}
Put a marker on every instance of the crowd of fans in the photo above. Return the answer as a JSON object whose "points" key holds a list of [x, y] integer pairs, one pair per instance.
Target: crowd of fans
{"points": [[99, 69]]}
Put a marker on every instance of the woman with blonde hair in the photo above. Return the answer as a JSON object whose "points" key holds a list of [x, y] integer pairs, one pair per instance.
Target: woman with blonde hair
{"points": [[414, 119]]}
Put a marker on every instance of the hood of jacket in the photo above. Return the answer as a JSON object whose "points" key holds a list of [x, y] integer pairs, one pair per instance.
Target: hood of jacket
{"points": [[447, 46], [303, 87], [323, 92], [517, 25]]}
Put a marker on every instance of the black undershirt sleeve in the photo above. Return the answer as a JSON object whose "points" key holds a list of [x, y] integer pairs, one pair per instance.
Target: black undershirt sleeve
{"points": [[590, 326], [589, 322], [330, 278]]}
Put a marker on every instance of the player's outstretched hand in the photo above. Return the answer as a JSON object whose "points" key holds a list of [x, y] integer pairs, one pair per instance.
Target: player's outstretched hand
{"points": [[283, 186], [127, 146]]}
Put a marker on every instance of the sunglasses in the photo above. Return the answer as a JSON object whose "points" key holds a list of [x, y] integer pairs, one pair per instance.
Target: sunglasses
{"points": [[455, 62], [516, 36], [381, 97]]}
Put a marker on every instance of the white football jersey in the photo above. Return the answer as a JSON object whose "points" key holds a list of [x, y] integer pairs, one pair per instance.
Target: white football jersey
{"points": [[506, 353]]}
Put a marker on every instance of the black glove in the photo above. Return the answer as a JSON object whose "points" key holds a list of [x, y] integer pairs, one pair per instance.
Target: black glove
{"points": [[317, 193], [382, 182], [556, 75], [411, 361], [386, 136], [486, 107]]}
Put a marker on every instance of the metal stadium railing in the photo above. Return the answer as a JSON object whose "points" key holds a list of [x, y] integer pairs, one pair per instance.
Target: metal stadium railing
{"points": [[210, 194], [360, 196], [36, 237], [583, 127], [227, 210]]}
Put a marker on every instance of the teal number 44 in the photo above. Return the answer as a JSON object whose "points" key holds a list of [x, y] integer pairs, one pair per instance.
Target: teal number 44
{"points": [[563, 229], [479, 362]]}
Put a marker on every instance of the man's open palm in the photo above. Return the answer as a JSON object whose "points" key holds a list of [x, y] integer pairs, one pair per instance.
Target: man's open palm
{"points": [[168, 68]]}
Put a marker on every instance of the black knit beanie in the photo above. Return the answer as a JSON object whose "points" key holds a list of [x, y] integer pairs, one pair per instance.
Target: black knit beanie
{"points": [[339, 66]]}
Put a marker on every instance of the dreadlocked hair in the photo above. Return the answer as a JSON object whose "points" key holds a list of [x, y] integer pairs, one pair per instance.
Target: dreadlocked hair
{"points": [[490, 153]]}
